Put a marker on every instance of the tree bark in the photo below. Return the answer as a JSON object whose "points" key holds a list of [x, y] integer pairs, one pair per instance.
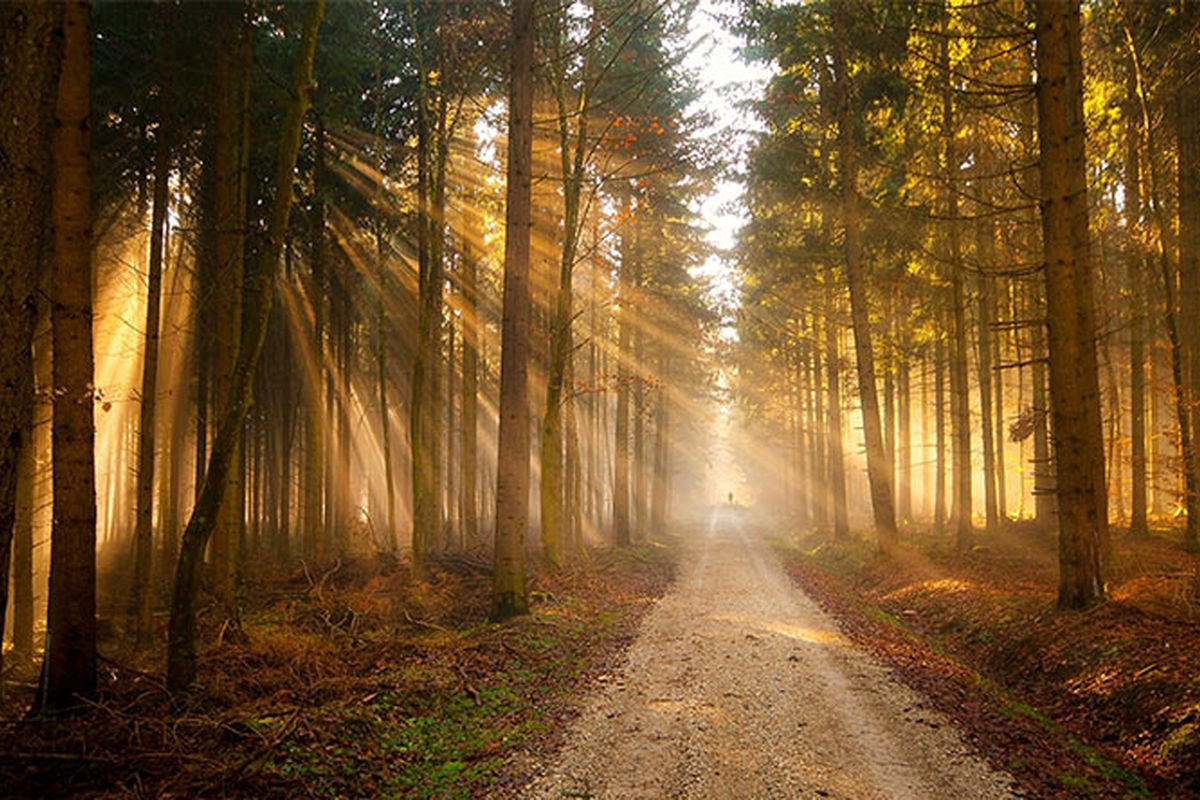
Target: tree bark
{"points": [[227, 293], [69, 671], [30, 59], [143, 560], [960, 409], [1074, 382], [1187, 130], [1135, 270], [877, 472], [833, 421], [621, 521], [509, 596], [468, 476]]}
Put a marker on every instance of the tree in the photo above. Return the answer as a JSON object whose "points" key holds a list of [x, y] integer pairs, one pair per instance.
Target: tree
{"points": [[143, 563], [70, 665], [877, 471], [1071, 330], [30, 59], [512, 470]]}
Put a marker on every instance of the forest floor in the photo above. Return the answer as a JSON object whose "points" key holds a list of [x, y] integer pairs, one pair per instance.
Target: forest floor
{"points": [[1103, 703], [351, 681], [739, 686]]}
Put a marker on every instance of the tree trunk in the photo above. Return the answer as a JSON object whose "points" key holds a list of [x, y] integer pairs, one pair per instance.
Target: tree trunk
{"points": [[509, 596], [230, 253], [315, 512], [69, 671], [658, 508], [820, 453], [1074, 383], [877, 472], [143, 560], [1043, 462], [468, 476], [1187, 129], [939, 424], [1135, 270], [960, 409], [181, 645], [385, 423], [30, 59], [833, 420], [621, 427], [985, 247], [904, 431]]}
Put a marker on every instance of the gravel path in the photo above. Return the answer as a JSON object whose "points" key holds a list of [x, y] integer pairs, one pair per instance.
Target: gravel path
{"points": [[739, 686]]}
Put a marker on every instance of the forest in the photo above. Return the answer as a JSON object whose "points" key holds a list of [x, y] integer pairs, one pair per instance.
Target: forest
{"points": [[600, 398]]}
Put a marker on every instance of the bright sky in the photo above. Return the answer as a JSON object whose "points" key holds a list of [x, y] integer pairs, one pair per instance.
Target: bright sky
{"points": [[726, 80]]}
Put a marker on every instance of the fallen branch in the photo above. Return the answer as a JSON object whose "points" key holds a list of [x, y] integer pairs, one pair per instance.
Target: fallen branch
{"points": [[422, 623]]}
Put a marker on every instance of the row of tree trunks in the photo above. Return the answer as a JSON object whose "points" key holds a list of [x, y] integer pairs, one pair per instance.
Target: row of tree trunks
{"points": [[181, 658]]}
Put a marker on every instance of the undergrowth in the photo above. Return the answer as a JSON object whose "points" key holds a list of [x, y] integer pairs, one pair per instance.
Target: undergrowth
{"points": [[1097, 704], [351, 681]]}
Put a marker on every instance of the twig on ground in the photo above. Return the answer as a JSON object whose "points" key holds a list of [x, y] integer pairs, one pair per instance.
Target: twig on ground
{"points": [[422, 623]]}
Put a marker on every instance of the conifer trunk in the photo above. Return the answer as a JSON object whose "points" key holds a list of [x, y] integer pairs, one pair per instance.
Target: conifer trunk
{"points": [[877, 472], [143, 560], [1074, 381], [69, 670], [509, 596], [30, 59]]}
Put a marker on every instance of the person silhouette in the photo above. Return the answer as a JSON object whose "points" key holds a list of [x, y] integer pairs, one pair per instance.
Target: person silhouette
{"points": [[731, 498]]}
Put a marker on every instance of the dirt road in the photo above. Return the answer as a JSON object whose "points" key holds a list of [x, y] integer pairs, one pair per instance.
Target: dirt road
{"points": [[739, 686]]}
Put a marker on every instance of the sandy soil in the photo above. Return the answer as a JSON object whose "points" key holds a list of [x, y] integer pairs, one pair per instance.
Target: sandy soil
{"points": [[739, 686]]}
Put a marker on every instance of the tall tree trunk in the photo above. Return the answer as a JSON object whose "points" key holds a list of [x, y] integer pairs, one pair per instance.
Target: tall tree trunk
{"points": [[1074, 382], [998, 412], [658, 508], [960, 409], [385, 423], [1187, 130], [30, 59], [621, 521], [833, 420], [70, 667], [985, 247], [877, 471], [1043, 461], [143, 560], [554, 517], [1135, 271], [509, 596], [638, 455], [22, 549], [467, 458], [904, 440], [316, 510], [939, 411], [230, 244], [181, 644], [424, 433], [820, 452]]}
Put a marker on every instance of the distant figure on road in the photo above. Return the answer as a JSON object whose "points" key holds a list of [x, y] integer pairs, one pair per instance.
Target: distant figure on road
{"points": [[731, 498]]}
